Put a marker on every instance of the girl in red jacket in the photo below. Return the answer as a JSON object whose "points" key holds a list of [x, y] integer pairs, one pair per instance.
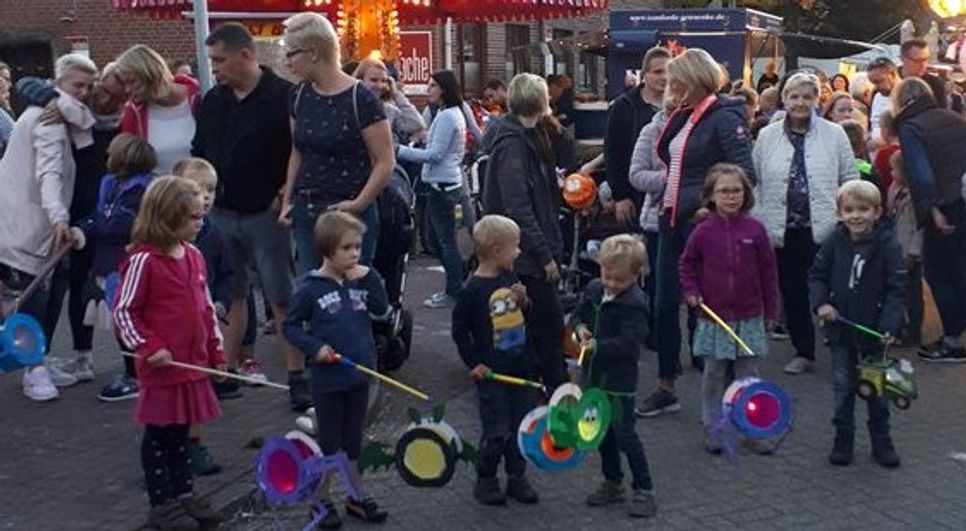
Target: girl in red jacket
{"points": [[164, 313], [729, 264]]}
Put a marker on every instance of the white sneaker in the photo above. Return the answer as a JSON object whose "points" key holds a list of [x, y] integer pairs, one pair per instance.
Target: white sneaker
{"points": [[37, 385], [83, 367], [57, 372]]}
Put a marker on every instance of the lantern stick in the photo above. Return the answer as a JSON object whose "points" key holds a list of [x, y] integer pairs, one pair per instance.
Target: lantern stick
{"points": [[874, 333], [513, 380], [216, 372], [375, 374], [744, 346]]}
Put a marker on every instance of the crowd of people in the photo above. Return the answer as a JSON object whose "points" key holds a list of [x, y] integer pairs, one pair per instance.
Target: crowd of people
{"points": [[803, 197]]}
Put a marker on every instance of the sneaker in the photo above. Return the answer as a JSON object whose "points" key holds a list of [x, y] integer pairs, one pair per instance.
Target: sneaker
{"points": [[202, 462], [200, 511], [443, 301], [942, 354], [300, 398], [227, 389], [59, 376], [331, 519], [269, 327], [37, 385], [606, 494], [84, 367], [659, 402], [779, 333], [306, 423], [884, 453], [252, 369], [121, 387], [712, 442], [842, 449], [366, 510], [798, 365], [170, 517], [642, 504], [487, 491], [520, 490]]}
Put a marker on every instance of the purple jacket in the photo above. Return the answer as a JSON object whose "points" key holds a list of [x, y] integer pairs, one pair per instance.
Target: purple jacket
{"points": [[730, 264]]}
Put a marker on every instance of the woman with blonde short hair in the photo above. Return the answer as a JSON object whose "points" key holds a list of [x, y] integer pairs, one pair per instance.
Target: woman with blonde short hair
{"points": [[404, 118], [161, 108], [703, 130], [342, 149]]}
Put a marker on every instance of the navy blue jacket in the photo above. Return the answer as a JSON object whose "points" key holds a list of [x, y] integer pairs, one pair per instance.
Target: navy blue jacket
{"points": [[627, 115], [325, 312], [488, 326], [108, 228], [877, 298], [211, 242], [620, 328], [721, 135]]}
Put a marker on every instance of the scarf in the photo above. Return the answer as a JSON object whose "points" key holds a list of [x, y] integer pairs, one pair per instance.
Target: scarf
{"points": [[676, 149], [78, 118]]}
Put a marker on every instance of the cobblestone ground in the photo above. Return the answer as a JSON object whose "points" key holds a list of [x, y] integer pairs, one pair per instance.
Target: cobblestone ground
{"points": [[73, 464]]}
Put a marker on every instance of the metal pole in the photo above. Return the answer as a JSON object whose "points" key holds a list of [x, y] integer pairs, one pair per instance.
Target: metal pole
{"points": [[448, 43], [201, 51]]}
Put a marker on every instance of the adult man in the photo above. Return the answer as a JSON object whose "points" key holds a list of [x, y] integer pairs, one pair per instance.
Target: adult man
{"points": [[884, 76], [631, 111], [494, 96], [243, 130], [915, 63]]}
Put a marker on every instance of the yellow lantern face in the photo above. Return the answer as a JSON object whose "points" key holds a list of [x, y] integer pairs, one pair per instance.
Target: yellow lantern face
{"points": [[948, 8]]}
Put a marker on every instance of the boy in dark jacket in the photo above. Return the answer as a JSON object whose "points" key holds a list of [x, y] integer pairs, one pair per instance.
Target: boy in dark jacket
{"points": [[611, 322], [490, 333], [859, 274]]}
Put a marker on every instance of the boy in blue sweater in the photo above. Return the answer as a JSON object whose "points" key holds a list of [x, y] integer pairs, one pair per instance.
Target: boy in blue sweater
{"points": [[859, 273], [489, 332], [611, 322], [330, 316]]}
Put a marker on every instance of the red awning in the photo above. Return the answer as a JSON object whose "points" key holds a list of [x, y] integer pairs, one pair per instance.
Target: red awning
{"points": [[410, 11]]}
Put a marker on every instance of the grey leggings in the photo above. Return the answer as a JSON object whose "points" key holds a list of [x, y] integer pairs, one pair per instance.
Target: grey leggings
{"points": [[713, 384]]}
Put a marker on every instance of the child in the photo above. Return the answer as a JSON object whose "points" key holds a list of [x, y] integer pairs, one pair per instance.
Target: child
{"points": [[611, 321], [130, 161], [856, 133], [164, 313], [489, 331], [211, 243], [728, 264], [330, 317], [859, 273], [903, 215]]}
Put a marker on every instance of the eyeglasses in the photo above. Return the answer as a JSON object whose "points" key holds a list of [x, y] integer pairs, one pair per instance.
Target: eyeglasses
{"points": [[292, 53]]}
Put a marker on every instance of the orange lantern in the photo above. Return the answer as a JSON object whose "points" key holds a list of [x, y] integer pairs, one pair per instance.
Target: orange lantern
{"points": [[579, 191]]}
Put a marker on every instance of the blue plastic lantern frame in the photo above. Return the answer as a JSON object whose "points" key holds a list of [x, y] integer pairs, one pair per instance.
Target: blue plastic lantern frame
{"points": [[738, 401], [22, 342]]}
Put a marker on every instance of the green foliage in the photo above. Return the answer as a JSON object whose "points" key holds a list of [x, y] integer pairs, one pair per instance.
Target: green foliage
{"points": [[374, 456]]}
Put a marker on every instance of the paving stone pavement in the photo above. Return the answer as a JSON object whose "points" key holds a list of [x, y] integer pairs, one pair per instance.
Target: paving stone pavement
{"points": [[73, 464]]}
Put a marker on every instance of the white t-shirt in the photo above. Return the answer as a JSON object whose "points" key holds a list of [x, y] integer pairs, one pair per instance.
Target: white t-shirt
{"points": [[170, 130], [880, 104]]}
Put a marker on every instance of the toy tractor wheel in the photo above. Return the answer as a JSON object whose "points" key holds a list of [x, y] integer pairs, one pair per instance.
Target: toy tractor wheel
{"points": [[901, 402], [866, 389]]}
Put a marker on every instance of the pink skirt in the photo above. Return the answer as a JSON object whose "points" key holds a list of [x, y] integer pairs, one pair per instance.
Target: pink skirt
{"points": [[191, 402]]}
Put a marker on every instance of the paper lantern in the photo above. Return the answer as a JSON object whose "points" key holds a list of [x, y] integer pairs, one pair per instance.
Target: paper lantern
{"points": [[427, 453], [539, 449], [578, 419], [22, 342], [579, 191], [758, 409], [288, 469]]}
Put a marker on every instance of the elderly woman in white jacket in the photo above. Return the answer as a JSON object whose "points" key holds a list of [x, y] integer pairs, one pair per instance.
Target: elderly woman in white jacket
{"points": [[37, 173], [800, 161]]}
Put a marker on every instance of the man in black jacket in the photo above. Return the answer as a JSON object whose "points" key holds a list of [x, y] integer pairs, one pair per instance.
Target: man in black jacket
{"points": [[628, 114], [244, 131]]}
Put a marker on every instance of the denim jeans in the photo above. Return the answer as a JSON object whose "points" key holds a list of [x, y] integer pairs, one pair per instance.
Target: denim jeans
{"points": [[622, 438], [845, 376], [306, 210], [441, 212], [502, 408], [944, 263], [794, 260], [667, 296]]}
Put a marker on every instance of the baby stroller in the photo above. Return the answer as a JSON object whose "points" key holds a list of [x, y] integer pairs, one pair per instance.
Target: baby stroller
{"points": [[397, 225]]}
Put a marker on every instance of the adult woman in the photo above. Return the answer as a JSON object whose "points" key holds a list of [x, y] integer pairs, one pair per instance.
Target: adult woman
{"points": [[705, 129], [800, 161], [441, 159], [520, 184], [933, 144], [839, 82], [6, 113], [342, 151], [840, 108], [38, 171], [161, 107], [404, 118]]}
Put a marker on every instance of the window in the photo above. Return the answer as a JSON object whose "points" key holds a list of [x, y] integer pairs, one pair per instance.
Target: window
{"points": [[563, 57], [470, 68], [517, 53]]}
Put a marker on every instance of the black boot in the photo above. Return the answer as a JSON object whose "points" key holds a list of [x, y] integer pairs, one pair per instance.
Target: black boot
{"points": [[487, 491], [884, 452], [520, 490], [842, 450]]}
